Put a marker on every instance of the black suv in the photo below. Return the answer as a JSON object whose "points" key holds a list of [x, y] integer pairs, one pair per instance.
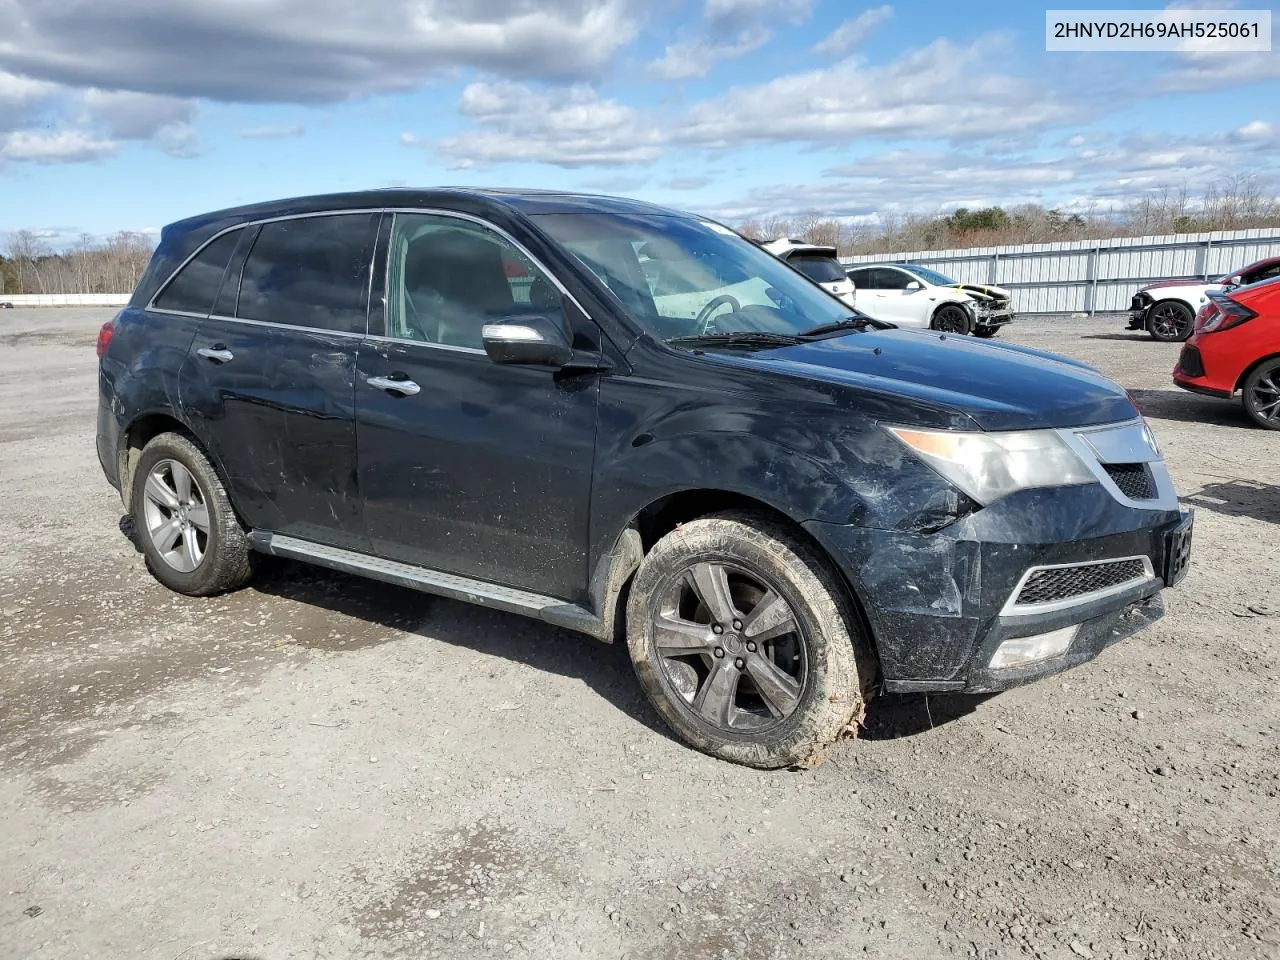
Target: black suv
{"points": [[634, 423]]}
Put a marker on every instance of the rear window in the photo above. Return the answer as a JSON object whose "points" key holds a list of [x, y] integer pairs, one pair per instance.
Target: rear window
{"points": [[821, 269], [310, 272], [195, 286]]}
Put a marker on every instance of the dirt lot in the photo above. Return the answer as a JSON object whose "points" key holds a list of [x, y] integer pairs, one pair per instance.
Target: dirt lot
{"points": [[325, 767]]}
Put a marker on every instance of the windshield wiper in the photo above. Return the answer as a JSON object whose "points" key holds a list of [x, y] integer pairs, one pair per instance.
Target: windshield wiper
{"points": [[859, 322], [761, 338]]}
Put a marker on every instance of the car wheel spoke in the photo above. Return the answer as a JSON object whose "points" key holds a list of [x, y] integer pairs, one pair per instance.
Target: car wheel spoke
{"points": [[771, 617], [159, 492], [181, 481], [191, 547], [166, 535], [779, 690], [716, 700], [675, 637], [711, 584], [198, 514]]}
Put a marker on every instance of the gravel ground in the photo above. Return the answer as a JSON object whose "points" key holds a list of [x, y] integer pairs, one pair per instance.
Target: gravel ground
{"points": [[323, 767]]}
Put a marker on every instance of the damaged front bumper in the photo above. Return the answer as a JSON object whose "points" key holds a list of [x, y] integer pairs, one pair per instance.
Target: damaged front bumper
{"points": [[971, 608]]}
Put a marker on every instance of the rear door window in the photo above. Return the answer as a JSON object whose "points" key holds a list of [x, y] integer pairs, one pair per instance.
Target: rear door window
{"points": [[889, 279], [311, 272], [196, 284], [861, 279]]}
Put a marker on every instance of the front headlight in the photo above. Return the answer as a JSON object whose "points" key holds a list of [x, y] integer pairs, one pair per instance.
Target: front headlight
{"points": [[988, 466]]}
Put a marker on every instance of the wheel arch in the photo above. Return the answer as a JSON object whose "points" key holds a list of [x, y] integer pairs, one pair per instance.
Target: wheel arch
{"points": [[612, 583], [1244, 374], [141, 430]]}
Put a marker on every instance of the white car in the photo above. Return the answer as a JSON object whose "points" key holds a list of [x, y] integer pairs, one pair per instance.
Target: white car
{"points": [[1167, 309], [910, 295], [818, 263]]}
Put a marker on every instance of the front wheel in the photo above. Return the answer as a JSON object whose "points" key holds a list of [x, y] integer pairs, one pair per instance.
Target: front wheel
{"points": [[188, 532], [986, 333], [745, 642], [1170, 321], [952, 319], [1260, 394]]}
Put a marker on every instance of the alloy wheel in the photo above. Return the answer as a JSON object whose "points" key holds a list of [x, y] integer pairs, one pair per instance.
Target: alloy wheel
{"points": [[731, 647], [176, 516], [1265, 397], [1169, 321], [951, 320]]}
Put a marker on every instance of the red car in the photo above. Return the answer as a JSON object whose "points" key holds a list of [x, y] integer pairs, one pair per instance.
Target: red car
{"points": [[1236, 346]]}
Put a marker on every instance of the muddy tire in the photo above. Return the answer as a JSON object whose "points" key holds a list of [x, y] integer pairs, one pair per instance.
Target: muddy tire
{"points": [[951, 318], [1170, 321], [746, 643], [185, 525]]}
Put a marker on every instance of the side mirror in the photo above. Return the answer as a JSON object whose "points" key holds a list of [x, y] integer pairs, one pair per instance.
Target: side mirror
{"points": [[912, 286], [530, 338]]}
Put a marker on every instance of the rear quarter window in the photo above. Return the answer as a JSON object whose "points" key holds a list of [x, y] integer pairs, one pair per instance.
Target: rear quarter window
{"points": [[194, 286]]}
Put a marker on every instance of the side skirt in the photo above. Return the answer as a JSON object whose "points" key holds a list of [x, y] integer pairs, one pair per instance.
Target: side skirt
{"points": [[549, 609]]}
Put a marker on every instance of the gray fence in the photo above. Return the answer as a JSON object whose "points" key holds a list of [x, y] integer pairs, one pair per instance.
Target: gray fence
{"points": [[1092, 276]]}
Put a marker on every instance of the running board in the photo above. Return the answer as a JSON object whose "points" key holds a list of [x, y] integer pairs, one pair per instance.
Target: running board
{"points": [[558, 612]]}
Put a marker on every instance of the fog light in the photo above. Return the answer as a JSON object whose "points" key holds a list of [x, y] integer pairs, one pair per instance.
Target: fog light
{"points": [[1022, 650]]}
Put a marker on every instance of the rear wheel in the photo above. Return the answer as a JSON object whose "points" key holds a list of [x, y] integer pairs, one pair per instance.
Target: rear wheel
{"points": [[1260, 394], [745, 643], [950, 318], [189, 533], [1170, 321]]}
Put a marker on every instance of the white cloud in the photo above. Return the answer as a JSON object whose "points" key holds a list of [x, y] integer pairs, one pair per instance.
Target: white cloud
{"points": [[942, 91], [694, 58], [1257, 130], [733, 14], [306, 50], [67, 146], [687, 183], [135, 116], [853, 31], [1195, 72], [566, 127], [273, 132]]}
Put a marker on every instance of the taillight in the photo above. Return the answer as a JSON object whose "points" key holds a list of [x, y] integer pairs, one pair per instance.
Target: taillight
{"points": [[1229, 313], [104, 337]]}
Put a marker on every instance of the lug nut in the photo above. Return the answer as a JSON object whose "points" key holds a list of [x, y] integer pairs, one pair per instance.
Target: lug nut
{"points": [[719, 652], [717, 629], [737, 624], [740, 664], [751, 646]]}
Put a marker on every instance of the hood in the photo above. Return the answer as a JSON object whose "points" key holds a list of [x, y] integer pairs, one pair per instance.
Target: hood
{"points": [[984, 291], [1178, 283], [998, 386]]}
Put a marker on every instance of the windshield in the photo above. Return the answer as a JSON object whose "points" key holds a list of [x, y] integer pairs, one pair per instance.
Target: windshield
{"points": [[932, 276], [681, 277], [817, 267]]}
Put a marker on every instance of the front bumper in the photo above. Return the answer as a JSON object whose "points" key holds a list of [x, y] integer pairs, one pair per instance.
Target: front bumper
{"points": [[938, 604], [996, 318]]}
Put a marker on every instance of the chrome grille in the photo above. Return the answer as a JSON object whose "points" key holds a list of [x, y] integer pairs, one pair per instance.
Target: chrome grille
{"points": [[1052, 584], [1133, 479]]}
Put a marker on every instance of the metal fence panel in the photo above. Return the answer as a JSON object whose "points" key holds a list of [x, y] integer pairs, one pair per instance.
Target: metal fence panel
{"points": [[65, 299], [1091, 276]]}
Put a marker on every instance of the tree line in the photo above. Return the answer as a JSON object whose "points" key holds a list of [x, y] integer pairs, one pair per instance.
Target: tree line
{"points": [[112, 265], [1237, 203]]}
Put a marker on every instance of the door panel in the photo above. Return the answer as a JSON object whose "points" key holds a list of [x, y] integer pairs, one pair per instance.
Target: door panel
{"points": [[280, 418], [485, 472]]}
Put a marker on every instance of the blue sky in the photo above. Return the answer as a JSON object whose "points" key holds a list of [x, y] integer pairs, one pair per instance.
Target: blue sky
{"points": [[134, 113]]}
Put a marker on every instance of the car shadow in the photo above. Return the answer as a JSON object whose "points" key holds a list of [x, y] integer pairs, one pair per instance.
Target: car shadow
{"points": [[1137, 335], [892, 716], [1188, 407], [605, 668], [1238, 498]]}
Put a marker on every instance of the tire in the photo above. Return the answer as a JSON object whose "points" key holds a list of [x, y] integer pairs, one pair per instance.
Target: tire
{"points": [[951, 318], [986, 333], [1260, 394], [817, 676], [180, 553], [1170, 321]]}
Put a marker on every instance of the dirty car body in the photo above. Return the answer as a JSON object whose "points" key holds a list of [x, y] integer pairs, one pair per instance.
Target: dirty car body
{"points": [[909, 463]]}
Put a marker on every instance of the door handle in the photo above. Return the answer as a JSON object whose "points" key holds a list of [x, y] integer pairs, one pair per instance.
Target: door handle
{"points": [[405, 387], [217, 353]]}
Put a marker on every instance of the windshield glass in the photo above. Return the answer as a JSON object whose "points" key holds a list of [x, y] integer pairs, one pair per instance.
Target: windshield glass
{"points": [[932, 276], [816, 267], [680, 276]]}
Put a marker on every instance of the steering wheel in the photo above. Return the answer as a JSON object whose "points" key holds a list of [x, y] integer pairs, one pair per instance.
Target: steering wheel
{"points": [[703, 321]]}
